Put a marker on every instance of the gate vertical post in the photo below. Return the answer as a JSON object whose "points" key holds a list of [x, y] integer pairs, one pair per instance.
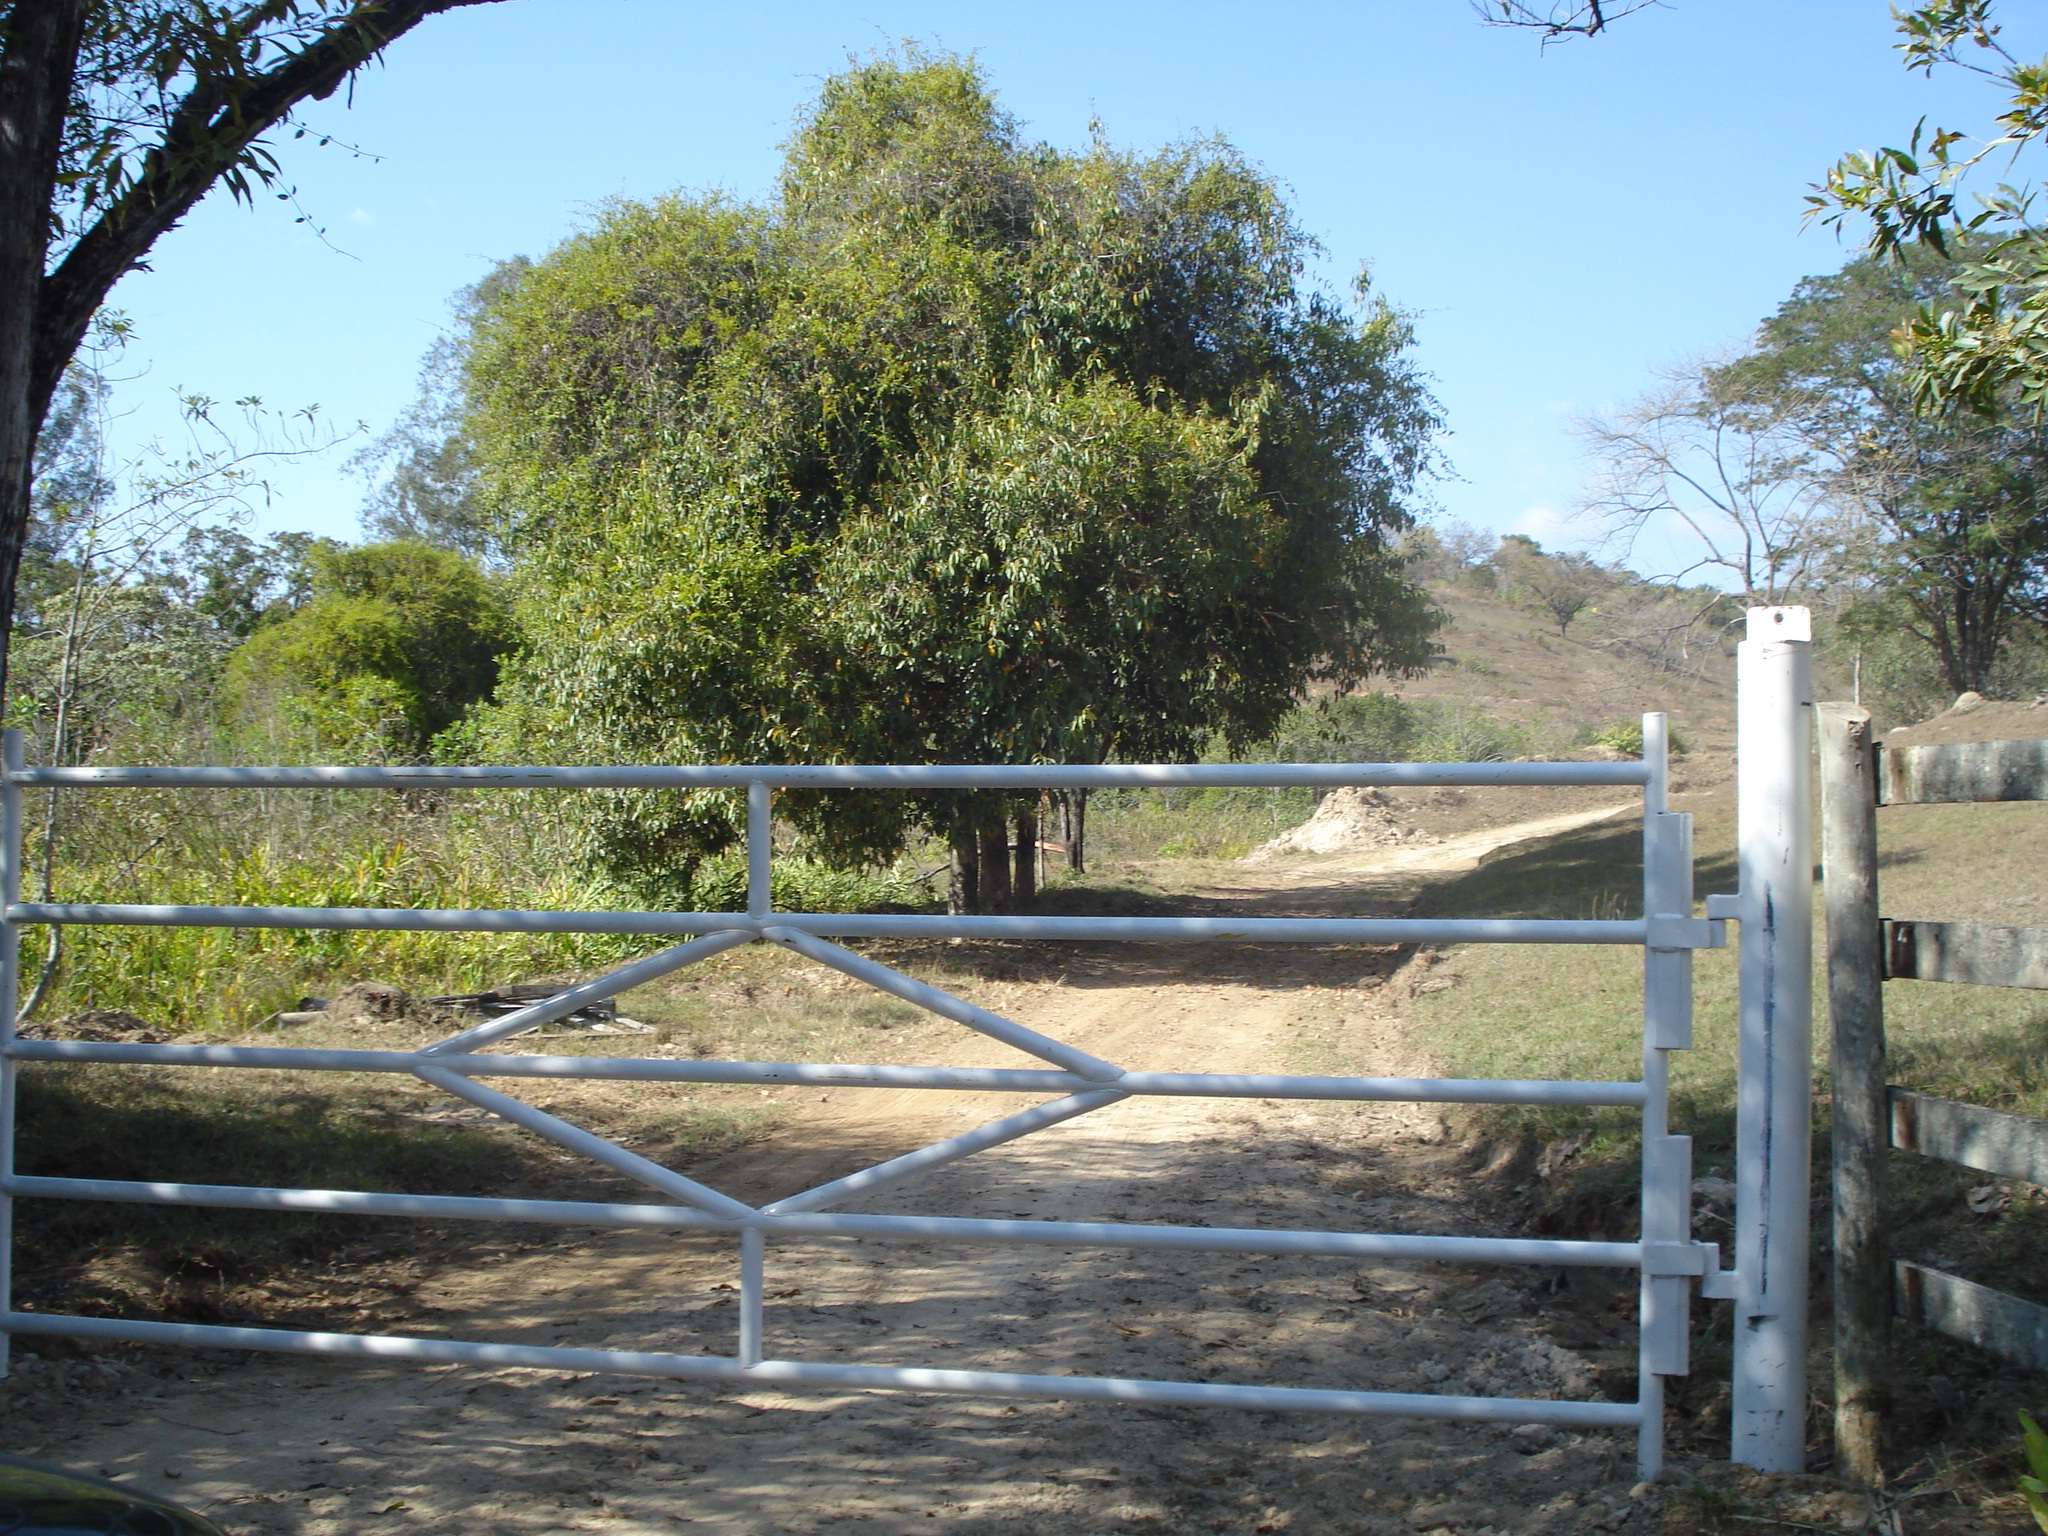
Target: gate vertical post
{"points": [[753, 1290], [1861, 1131], [1664, 1326], [760, 902], [760, 849], [1774, 1113], [11, 759]]}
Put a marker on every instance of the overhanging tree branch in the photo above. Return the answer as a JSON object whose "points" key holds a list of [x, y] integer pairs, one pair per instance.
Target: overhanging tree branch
{"points": [[207, 138], [92, 125], [1563, 18]]}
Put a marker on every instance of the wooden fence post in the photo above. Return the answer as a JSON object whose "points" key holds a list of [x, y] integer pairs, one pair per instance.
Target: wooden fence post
{"points": [[1862, 1132]]}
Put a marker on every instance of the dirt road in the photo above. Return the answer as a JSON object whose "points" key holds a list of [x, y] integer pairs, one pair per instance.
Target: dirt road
{"points": [[278, 1444]]}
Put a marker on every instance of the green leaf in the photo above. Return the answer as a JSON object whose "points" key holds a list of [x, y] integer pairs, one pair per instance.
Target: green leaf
{"points": [[2036, 1443]]}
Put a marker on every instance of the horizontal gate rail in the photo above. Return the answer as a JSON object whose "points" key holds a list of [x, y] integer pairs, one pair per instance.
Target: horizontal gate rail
{"points": [[1071, 1083], [919, 1229], [1197, 1085], [858, 776], [1189, 1394], [1181, 930]]}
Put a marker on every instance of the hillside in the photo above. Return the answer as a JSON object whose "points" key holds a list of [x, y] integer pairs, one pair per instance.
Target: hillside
{"points": [[1513, 661]]}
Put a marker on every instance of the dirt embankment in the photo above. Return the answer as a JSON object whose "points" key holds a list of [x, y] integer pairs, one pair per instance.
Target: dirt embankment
{"points": [[311, 1447]]}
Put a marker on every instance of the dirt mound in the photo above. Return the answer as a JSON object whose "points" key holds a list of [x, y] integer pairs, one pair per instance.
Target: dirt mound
{"points": [[1350, 820], [115, 1025], [376, 1003]]}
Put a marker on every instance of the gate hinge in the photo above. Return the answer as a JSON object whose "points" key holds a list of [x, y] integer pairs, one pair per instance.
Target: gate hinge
{"points": [[1725, 908], [1668, 932]]}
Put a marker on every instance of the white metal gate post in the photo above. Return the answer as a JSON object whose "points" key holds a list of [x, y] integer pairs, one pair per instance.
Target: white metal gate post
{"points": [[1774, 1115], [1665, 1298]]}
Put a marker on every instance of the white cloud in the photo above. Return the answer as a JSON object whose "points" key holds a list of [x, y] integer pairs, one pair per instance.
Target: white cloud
{"points": [[359, 216], [1546, 525]]}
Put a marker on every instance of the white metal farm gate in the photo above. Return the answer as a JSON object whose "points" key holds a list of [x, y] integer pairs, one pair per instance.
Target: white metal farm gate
{"points": [[1771, 1271]]}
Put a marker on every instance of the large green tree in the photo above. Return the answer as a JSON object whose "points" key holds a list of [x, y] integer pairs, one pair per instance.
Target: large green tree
{"points": [[961, 447]]}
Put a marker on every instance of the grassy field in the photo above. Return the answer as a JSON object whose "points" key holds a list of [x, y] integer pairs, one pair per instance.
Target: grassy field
{"points": [[1573, 1013], [1576, 1009]]}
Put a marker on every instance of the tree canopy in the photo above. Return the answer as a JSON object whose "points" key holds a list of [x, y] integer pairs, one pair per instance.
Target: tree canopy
{"points": [[1948, 530], [960, 447], [1805, 469], [394, 642]]}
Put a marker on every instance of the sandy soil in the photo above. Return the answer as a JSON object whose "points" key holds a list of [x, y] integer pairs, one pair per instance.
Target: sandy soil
{"points": [[279, 1444]]}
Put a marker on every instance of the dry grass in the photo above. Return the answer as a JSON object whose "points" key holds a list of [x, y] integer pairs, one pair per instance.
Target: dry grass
{"points": [[1505, 657]]}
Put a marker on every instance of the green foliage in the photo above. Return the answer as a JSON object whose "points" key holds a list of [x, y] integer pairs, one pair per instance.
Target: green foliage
{"points": [[233, 978], [2034, 1486], [1559, 586], [395, 642], [1986, 344], [423, 469], [493, 850], [1627, 736], [800, 885], [1386, 728], [136, 584], [962, 448]]}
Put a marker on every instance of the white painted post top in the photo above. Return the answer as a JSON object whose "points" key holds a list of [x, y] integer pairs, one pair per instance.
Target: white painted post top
{"points": [[1779, 624]]}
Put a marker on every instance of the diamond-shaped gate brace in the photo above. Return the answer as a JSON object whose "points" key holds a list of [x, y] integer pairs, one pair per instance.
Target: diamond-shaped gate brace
{"points": [[714, 1202]]}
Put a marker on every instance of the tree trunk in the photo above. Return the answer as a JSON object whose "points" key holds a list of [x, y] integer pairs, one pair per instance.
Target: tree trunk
{"points": [[40, 43], [1024, 882], [995, 859], [963, 888], [1074, 803]]}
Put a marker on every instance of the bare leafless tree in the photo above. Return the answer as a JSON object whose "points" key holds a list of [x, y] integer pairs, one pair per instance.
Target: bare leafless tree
{"points": [[1724, 475]]}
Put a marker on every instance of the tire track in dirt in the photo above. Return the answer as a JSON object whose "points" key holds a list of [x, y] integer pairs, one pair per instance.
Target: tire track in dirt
{"points": [[279, 1444]]}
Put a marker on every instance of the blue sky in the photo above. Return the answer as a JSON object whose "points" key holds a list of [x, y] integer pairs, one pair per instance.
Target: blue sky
{"points": [[1563, 222]]}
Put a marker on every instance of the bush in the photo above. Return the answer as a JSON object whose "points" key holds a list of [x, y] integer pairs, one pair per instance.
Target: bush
{"points": [[396, 642], [1627, 736], [1386, 728]]}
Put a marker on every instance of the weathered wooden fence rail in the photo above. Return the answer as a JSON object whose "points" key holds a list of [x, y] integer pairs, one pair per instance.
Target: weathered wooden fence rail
{"points": [[1872, 1116], [1989, 1140]]}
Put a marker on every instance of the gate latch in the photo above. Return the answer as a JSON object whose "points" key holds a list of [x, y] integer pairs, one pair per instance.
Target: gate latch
{"points": [[1670, 932], [1701, 1259]]}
